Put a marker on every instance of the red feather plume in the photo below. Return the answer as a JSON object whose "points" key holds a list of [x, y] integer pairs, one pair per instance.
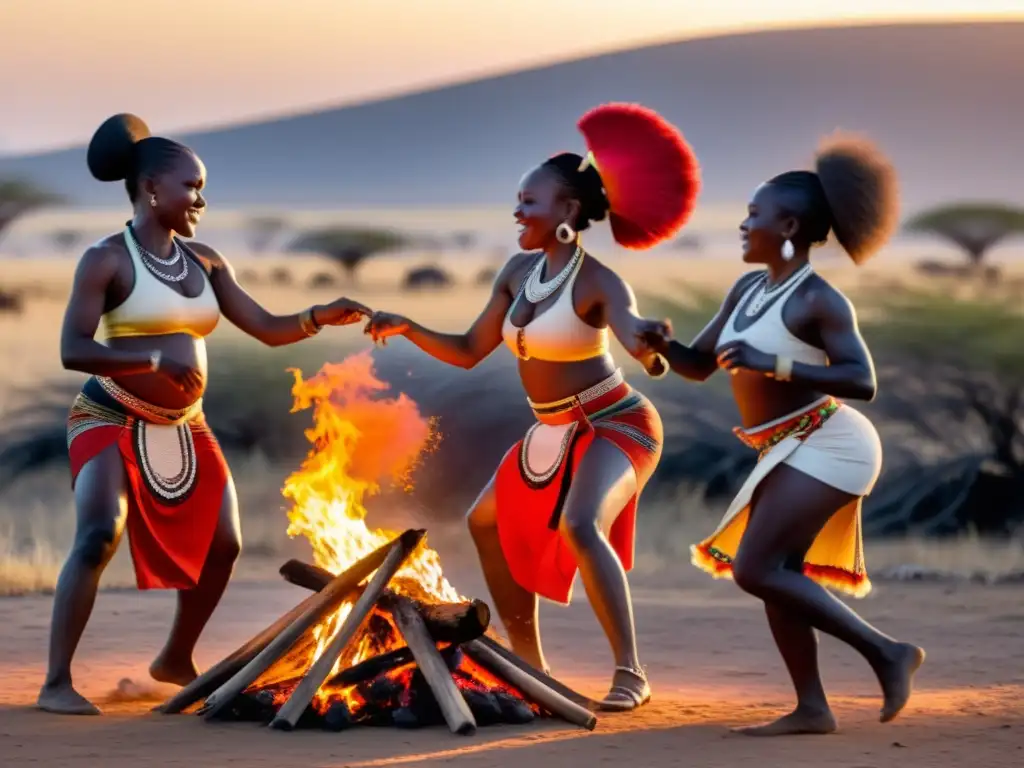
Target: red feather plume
{"points": [[650, 173]]}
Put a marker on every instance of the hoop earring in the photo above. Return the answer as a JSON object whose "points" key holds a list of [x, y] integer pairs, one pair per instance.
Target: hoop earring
{"points": [[564, 233], [152, 201], [788, 251]]}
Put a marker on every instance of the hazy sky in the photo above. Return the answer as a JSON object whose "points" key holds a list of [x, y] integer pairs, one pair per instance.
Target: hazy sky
{"points": [[65, 65]]}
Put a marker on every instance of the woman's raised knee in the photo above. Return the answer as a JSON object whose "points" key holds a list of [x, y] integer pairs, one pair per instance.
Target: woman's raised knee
{"points": [[226, 550], [749, 574], [482, 521], [579, 531]]}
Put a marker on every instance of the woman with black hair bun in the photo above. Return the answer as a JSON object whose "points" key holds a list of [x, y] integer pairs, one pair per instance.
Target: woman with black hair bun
{"points": [[141, 454], [564, 498], [791, 345]]}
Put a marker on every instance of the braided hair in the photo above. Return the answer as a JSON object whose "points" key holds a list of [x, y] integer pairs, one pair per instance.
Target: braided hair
{"points": [[852, 193], [123, 148]]}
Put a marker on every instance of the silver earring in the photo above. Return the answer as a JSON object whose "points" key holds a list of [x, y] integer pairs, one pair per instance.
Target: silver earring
{"points": [[152, 200], [564, 233], [788, 251]]}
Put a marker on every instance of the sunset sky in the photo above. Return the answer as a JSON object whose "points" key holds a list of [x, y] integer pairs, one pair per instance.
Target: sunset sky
{"points": [[65, 65]]}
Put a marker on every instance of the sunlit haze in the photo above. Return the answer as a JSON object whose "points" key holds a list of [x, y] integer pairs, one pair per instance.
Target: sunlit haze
{"points": [[64, 66]]}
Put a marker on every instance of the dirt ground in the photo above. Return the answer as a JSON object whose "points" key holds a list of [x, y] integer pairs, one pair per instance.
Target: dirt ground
{"points": [[707, 648]]}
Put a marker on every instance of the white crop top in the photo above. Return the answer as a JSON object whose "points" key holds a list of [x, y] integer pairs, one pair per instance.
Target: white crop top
{"points": [[556, 334], [153, 308], [768, 332]]}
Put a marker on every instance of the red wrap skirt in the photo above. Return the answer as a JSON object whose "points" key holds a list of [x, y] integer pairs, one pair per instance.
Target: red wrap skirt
{"points": [[535, 476], [176, 478]]}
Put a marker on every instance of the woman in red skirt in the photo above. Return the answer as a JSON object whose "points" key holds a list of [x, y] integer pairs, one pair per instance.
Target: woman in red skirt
{"points": [[142, 455], [564, 497]]}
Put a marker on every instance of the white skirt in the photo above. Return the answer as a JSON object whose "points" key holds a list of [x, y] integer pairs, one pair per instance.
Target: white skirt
{"points": [[843, 452]]}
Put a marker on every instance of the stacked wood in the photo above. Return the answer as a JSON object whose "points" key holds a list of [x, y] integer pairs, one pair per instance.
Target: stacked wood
{"points": [[436, 637], [462, 618], [316, 605]]}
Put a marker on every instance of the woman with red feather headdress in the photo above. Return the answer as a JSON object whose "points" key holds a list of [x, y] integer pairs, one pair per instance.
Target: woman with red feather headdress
{"points": [[564, 497]]}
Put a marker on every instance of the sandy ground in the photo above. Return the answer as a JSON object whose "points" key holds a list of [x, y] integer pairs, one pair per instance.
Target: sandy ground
{"points": [[706, 646]]}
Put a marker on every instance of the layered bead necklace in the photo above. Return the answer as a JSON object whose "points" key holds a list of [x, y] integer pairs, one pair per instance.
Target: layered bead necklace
{"points": [[150, 260], [765, 294], [536, 291]]}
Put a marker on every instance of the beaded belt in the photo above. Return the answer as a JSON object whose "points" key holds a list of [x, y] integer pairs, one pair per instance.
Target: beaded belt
{"points": [[764, 437], [152, 413], [584, 397]]}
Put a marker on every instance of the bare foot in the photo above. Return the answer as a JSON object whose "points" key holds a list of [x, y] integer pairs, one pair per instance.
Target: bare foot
{"points": [[171, 671], [897, 679], [62, 699], [798, 722]]}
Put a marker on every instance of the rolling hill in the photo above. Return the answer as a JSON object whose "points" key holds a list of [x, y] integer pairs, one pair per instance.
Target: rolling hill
{"points": [[944, 100]]}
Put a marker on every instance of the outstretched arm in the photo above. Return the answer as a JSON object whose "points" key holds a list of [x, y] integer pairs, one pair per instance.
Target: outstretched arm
{"points": [[464, 350], [627, 325], [698, 361], [79, 350], [243, 311]]}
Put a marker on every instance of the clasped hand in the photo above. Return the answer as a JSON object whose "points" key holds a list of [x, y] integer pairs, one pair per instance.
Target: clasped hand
{"points": [[383, 325], [342, 312], [736, 355], [652, 336]]}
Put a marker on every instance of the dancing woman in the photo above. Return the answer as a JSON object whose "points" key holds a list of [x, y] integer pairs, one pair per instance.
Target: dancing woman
{"points": [[791, 344], [564, 497], [141, 452]]}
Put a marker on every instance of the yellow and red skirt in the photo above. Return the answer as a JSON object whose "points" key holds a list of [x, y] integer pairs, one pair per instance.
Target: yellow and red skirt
{"points": [[831, 442], [176, 478], [534, 478]]}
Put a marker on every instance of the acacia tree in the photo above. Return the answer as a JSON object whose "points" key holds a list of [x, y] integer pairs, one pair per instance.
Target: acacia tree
{"points": [[973, 227], [348, 247], [260, 231], [66, 239], [463, 240], [19, 196]]}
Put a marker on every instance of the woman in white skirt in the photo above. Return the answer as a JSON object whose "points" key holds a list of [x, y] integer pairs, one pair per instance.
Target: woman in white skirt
{"points": [[791, 345]]}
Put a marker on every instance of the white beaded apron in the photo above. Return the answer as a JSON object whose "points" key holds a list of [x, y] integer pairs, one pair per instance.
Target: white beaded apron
{"points": [[163, 444]]}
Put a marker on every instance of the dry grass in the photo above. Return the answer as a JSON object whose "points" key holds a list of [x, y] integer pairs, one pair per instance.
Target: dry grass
{"points": [[24, 572], [668, 526], [965, 556], [36, 514], [31, 553]]}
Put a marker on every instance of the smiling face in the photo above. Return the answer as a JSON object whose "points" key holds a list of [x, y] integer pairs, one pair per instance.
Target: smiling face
{"points": [[543, 204], [178, 192], [767, 226]]}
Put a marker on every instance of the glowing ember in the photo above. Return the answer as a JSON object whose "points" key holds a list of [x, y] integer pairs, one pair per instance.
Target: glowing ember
{"points": [[362, 437]]}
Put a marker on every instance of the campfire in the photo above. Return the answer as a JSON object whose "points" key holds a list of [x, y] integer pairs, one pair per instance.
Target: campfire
{"points": [[384, 638]]}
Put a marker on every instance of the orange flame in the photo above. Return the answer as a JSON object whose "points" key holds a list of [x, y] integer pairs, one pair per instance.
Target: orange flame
{"points": [[361, 437]]}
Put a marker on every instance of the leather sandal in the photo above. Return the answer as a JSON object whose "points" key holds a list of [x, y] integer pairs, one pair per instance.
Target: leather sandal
{"points": [[624, 699]]}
